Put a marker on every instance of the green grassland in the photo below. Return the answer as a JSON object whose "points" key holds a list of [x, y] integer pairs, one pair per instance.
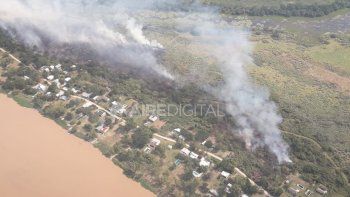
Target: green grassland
{"points": [[260, 3]]}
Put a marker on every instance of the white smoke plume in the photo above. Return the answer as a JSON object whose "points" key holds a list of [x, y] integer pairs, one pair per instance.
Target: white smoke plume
{"points": [[106, 27], [255, 114]]}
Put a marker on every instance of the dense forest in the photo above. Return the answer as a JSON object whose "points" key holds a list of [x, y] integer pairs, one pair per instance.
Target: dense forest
{"points": [[287, 10]]}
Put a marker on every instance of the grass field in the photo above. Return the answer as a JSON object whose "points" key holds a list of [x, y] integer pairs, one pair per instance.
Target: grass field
{"points": [[332, 53], [24, 101]]}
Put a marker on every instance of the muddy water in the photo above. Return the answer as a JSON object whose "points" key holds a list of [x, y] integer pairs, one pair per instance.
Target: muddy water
{"points": [[39, 159]]}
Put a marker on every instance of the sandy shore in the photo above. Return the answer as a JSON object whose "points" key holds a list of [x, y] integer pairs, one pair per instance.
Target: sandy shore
{"points": [[39, 159]]}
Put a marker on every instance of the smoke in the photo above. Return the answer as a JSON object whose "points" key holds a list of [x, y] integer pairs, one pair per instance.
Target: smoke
{"points": [[108, 28], [105, 26], [255, 114]]}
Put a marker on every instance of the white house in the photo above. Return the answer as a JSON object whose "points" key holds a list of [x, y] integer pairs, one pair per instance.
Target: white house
{"points": [[225, 174], [40, 87], [185, 151], [60, 93], [178, 130], [86, 95], [154, 142], [204, 162], [87, 104], [67, 79], [196, 174], [153, 118], [194, 155], [74, 90], [50, 77]]}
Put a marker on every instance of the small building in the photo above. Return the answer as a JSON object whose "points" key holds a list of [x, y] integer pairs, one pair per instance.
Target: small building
{"points": [[194, 155], [322, 190], [86, 95], [185, 151], [293, 191], [153, 118], [87, 104], [214, 192], [177, 130], [74, 90], [63, 98], [154, 142], [50, 77], [60, 93], [102, 128], [228, 188], [225, 174], [203, 162], [196, 174], [40, 87], [67, 79]]}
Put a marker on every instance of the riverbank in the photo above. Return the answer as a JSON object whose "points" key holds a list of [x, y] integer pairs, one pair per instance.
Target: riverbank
{"points": [[39, 158]]}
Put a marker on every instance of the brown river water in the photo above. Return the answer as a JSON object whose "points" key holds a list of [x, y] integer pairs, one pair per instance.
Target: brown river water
{"points": [[39, 159]]}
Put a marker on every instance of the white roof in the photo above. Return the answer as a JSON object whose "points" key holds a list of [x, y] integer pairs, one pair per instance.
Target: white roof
{"points": [[196, 174], [86, 95], [51, 77], [153, 118], [185, 151], [225, 174], [194, 155], [177, 130], [204, 162], [67, 79], [155, 141], [87, 104]]}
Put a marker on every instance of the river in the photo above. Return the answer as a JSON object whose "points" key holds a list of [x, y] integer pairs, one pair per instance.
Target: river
{"points": [[39, 159]]}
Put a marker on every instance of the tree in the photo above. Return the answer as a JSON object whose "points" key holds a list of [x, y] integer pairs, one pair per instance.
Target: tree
{"points": [[88, 127], [69, 116], [248, 188], [53, 88], [140, 138]]}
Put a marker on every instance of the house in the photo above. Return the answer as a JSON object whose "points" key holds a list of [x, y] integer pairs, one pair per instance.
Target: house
{"points": [[225, 174], [102, 128], [58, 66], [214, 192], [177, 130], [86, 95], [147, 149], [57, 81], [67, 79], [154, 142], [196, 174], [153, 118], [73, 66], [185, 151], [203, 162], [194, 155], [26, 77], [117, 108], [96, 98], [52, 67], [50, 77], [293, 191], [308, 192], [228, 188], [87, 104], [74, 90], [322, 190], [63, 98], [40, 87], [60, 93], [101, 113], [181, 137]]}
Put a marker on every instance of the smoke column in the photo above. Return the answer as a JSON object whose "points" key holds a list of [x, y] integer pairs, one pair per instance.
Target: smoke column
{"points": [[103, 25], [255, 114], [109, 29]]}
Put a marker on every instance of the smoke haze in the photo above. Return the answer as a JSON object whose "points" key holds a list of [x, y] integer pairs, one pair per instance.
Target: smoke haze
{"points": [[107, 26]]}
